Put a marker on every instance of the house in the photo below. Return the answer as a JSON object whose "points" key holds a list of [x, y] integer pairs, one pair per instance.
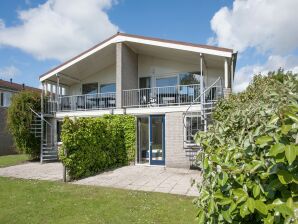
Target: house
{"points": [[7, 89], [170, 87]]}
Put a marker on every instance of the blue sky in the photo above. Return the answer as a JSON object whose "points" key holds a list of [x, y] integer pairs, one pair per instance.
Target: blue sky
{"points": [[37, 35]]}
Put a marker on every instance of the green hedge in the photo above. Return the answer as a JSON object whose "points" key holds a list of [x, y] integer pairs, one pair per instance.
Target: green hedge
{"points": [[96, 144], [250, 162]]}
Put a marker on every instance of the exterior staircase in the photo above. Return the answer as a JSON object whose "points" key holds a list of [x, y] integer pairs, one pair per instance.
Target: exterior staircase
{"points": [[198, 119], [42, 129]]}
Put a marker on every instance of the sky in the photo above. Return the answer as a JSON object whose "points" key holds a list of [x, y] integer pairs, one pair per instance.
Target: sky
{"points": [[37, 35]]}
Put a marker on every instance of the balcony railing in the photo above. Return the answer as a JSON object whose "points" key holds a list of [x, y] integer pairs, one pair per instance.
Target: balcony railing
{"points": [[147, 97], [161, 96], [95, 101]]}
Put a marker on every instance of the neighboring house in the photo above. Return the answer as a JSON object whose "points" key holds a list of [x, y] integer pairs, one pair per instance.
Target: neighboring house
{"points": [[7, 89], [169, 86]]}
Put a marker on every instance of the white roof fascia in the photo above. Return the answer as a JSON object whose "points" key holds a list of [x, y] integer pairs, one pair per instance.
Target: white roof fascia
{"points": [[174, 46]]}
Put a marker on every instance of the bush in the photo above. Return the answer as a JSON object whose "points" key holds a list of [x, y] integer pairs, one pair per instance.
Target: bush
{"points": [[249, 161], [96, 144], [19, 121]]}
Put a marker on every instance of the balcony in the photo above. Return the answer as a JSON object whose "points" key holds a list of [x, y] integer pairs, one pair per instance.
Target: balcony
{"points": [[97, 101], [161, 96], [136, 98]]}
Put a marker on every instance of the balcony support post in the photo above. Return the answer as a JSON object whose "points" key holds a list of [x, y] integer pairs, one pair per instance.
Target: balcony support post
{"points": [[58, 91], [201, 80]]}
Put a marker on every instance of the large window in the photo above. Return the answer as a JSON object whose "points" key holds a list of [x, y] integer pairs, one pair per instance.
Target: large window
{"points": [[108, 88], [168, 81], [90, 88], [189, 78]]}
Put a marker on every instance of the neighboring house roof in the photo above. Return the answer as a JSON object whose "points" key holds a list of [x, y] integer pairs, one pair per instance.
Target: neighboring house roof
{"points": [[15, 87], [122, 37]]}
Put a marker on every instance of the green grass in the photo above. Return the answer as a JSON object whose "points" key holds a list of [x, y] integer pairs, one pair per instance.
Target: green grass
{"points": [[32, 201], [13, 160]]}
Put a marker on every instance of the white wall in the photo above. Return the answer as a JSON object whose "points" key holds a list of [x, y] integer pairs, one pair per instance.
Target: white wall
{"points": [[212, 74], [105, 76]]}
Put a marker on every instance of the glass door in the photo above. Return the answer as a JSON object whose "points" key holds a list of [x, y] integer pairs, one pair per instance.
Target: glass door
{"points": [[143, 140], [157, 140]]}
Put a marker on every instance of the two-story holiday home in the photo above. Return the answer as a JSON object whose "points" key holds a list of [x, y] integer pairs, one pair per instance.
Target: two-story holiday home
{"points": [[170, 87]]}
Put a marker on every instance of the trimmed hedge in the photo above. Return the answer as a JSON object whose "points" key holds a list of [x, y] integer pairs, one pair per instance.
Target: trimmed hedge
{"points": [[95, 144]]}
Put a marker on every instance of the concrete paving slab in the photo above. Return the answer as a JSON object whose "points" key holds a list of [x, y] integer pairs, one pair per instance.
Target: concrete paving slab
{"points": [[142, 178]]}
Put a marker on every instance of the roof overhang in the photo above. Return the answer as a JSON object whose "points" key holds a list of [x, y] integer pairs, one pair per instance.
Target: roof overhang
{"points": [[104, 46]]}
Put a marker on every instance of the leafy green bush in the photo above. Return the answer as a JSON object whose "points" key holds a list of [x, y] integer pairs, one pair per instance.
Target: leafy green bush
{"points": [[95, 144], [19, 120], [250, 165]]}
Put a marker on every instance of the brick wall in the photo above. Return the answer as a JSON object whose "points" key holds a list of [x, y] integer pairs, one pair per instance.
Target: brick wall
{"points": [[175, 153]]}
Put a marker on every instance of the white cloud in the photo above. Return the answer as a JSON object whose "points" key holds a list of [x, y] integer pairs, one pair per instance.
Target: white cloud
{"points": [[267, 25], [60, 29], [264, 27], [8, 72], [274, 62]]}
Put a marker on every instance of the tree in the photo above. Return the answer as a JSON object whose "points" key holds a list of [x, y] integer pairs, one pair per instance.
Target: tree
{"points": [[19, 120]]}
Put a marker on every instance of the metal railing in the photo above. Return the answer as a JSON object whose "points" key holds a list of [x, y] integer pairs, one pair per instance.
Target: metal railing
{"points": [[195, 121], [95, 101], [161, 96]]}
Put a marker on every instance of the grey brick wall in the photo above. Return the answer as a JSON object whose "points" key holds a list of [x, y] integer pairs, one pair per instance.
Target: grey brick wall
{"points": [[126, 71], [6, 141], [174, 130]]}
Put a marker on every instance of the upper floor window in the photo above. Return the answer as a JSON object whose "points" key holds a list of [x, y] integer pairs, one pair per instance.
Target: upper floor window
{"points": [[108, 88], [189, 78], [167, 81], [90, 88]]}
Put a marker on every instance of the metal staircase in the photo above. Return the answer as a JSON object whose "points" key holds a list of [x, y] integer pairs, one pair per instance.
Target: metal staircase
{"points": [[197, 117], [42, 129]]}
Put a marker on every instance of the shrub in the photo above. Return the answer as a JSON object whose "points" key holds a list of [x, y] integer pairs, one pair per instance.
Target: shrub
{"points": [[95, 144], [19, 120], [249, 161]]}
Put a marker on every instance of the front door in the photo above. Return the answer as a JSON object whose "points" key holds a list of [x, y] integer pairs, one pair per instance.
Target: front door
{"points": [[151, 140], [157, 140]]}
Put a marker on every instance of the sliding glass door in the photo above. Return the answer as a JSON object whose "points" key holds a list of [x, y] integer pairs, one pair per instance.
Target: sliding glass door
{"points": [[151, 140]]}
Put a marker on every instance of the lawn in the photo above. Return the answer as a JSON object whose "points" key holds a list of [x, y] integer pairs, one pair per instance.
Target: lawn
{"points": [[32, 201], [11, 160]]}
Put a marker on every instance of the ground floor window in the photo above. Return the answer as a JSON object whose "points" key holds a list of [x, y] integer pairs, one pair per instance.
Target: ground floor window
{"points": [[193, 125], [59, 129]]}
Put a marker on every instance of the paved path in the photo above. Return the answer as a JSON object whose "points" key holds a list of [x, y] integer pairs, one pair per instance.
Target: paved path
{"points": [[147, 178], [34, 170], [143, 178]]}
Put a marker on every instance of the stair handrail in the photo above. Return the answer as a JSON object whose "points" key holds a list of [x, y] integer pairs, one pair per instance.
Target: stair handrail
{"points": [[199, 97], [38, 115]]}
